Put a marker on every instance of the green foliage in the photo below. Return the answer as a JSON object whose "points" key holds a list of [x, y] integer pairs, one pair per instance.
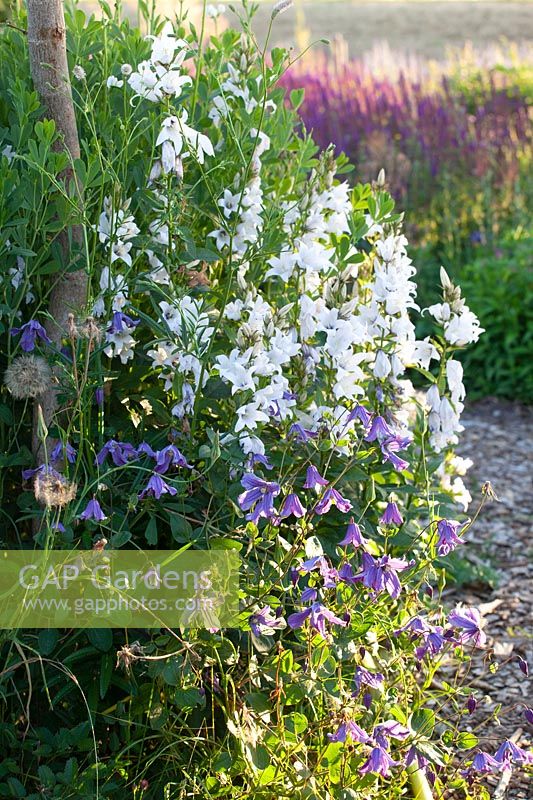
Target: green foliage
{"points": [[499, 285]]}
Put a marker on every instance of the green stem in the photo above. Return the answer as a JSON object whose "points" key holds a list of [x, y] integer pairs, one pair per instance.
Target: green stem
{"points": [[421, 790]]}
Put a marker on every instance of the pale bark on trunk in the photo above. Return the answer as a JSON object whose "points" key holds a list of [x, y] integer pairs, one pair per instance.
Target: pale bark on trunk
{"points": [[49, 70]]}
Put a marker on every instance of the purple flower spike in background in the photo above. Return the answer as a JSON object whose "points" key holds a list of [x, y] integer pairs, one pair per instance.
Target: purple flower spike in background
{"points": [[332, 497], [313, 479], [470, 621], [93, 510], [391, 515], [379, 763], [353, 537], [31, 331], [318, 615], [448, 538], [292, 507], [156, 487]]}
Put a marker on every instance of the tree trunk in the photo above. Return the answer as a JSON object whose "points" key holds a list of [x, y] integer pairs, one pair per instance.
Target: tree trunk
{"points": [[49, 70]]}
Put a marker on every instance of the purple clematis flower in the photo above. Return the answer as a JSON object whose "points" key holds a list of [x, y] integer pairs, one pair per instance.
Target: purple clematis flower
{"points": [[391, 515], [259, 496], [301, 434], [380, 574], [353, 537], [351, 730], [390, 729], [309, 595], [265, 622], [99, 396], [68, 452], [144, 449], [528, 714], [167, 457], [329, 574], [257, 458], [318, 615], [363, 677], [120, 452], [389, 448], [292, 507], [508, 753], [121, 322], [42, 469], [379, 763], [483, 764], [470, 621], [378, 430], [313, 479], [332, 497], [523, 665], [31, 331], [448, 538], [93, 510], [58, 526], [156, 487], [433, 636], [360, 413]]}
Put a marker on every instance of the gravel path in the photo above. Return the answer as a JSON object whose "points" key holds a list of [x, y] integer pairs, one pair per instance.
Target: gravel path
{"points": [[498, 437]]}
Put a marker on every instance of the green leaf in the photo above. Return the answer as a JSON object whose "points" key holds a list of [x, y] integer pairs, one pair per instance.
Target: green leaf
{"points": [[101, 638], [106, 673], [150, 532], [47, 640], [423, 721], [466, 741]]}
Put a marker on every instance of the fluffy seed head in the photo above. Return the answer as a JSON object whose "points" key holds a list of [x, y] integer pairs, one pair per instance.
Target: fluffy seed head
{"points": [[53, 489], [27, 376]]}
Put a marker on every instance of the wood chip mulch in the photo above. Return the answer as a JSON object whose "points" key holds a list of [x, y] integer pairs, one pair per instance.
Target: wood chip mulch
{"points": [[498, 437]]}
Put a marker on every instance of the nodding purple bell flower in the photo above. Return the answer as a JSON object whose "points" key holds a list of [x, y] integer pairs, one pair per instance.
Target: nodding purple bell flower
{"points": [[349, 730], [168, 457], [471, 704], [257, 458], [391, 515], [367, 700], [379, 762], [354, 537], [329, 574], [67, 452], [42, 469], [523, 665], [309, 595], [469, 620], [380, 574], [483, 764], [448, 539], [93, 510], [509, 753], [121, 322], [390, 729], [144, 449], [433, 636], [120, 452], [363, 677], [332, 497], [31, 331], [318, 615], [256, 489], [390, 447], [99, 396], [292, 507], [378, 430], [301, 434], [528, 714], [313, 479], [265, 622], [58, 526], [156, 487], [360, 413]]}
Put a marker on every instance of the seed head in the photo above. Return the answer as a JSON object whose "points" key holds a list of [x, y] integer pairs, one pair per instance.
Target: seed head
{"points": [[27, 376], [51, 488]]}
